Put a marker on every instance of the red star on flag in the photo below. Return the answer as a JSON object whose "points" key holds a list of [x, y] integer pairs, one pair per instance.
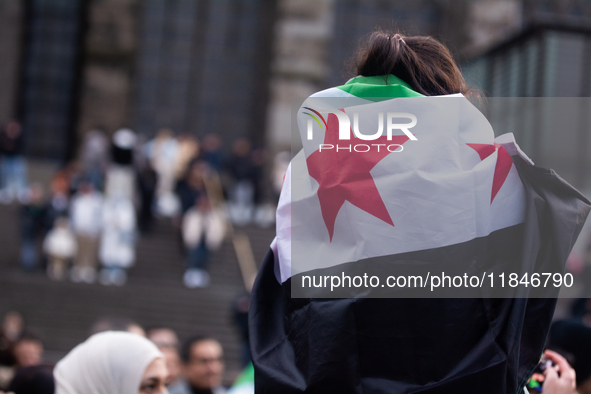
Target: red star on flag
{"points": [[344, 175], [502, 168]]}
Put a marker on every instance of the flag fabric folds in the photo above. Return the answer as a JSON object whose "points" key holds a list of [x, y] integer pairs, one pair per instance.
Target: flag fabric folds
{"points": [[499, 210]]}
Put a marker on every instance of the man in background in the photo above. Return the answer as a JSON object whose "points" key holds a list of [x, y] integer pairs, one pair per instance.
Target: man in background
{"points": [[28, 350], [203, 367], [168, 343]]}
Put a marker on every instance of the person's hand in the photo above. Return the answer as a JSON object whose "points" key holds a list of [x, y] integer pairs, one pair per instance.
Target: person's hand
{"points": [[563, 384], [2, 392]]}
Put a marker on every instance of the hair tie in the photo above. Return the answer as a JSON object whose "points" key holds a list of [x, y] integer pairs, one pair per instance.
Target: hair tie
{"points": [[398, 37]]}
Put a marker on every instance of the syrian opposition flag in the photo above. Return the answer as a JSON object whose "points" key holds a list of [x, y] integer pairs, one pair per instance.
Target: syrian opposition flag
{"points": [[431, 192], [244, 384]]}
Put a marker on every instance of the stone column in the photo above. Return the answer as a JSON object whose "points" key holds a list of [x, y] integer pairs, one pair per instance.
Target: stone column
{"points": [[107, 87], [300, 65], [11, 14]]}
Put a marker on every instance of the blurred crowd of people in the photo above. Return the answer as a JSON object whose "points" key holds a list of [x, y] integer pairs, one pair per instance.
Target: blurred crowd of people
{"points": [[194, 366], [88, 223]]}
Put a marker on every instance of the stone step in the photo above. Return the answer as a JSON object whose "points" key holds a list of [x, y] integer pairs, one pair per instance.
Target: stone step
{"points": [[63, 312]]}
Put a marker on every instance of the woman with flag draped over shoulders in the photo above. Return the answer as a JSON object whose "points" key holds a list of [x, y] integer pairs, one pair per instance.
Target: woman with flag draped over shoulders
{"points": [[438, 193]]}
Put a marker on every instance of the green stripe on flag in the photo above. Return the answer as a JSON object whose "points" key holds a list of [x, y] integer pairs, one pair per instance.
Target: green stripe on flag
{"points": [[247, 376], [374, 88]]}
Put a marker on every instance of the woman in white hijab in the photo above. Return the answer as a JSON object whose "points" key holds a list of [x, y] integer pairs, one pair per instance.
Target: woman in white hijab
{"points": [[112, 362]]}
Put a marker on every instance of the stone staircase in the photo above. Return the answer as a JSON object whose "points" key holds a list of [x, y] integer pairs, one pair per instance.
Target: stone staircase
{"points": [[63, 312]]}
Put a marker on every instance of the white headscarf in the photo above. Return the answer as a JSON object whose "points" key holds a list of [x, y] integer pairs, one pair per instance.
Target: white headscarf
{"points": [[111, 362]]}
